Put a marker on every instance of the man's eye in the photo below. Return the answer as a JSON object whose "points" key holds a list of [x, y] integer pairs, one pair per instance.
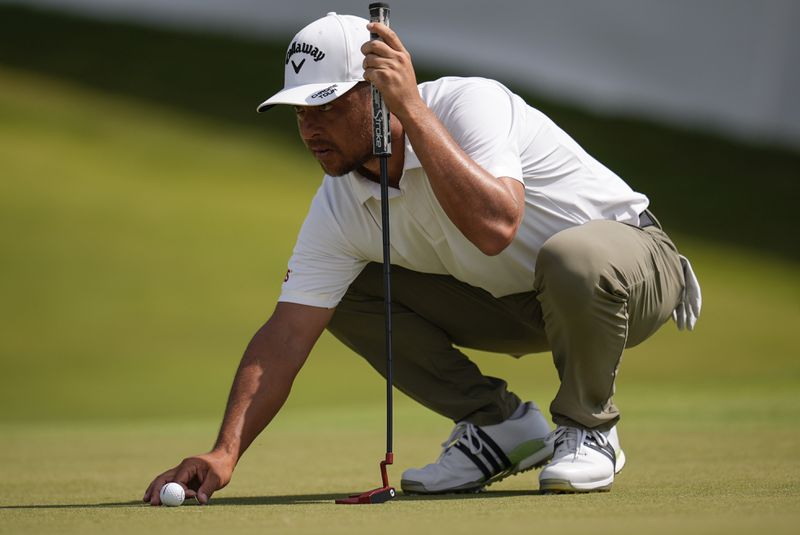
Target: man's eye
{"points": [[301, 110]]}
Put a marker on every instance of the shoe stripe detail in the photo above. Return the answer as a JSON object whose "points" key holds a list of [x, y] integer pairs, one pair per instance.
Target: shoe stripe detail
{"points": [[498, 451], [489, 457], [465, 450], [608, 451]]}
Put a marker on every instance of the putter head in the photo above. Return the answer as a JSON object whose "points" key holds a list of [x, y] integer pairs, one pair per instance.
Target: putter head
{"points": [[380, 495]]}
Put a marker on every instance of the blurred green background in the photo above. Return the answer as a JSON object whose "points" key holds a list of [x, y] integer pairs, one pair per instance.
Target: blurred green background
{"points": [[147, 214]]}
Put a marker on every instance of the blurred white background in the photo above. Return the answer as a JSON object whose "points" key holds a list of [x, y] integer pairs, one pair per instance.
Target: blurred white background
{"points": [[729, 66]]}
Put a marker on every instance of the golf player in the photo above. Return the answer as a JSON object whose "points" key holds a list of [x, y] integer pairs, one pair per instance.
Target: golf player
{"points": [[506, 236]]}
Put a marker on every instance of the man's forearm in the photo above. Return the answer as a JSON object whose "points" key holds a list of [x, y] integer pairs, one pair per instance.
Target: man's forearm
{"points": [[266, 373], [256, 397], [486, 209]]}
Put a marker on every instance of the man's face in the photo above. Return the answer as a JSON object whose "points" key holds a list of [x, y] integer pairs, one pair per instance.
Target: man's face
{"points": [[338, 134]]}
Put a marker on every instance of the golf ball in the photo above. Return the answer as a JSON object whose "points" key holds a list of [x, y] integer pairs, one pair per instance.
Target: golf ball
{"points": [[172, 494]]}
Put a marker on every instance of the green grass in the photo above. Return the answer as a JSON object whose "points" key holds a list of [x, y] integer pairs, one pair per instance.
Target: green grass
{"points": [[698, 475], [143, 243]]}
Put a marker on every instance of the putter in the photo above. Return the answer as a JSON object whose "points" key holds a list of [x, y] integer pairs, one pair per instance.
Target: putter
{"points": [[382, 147]]}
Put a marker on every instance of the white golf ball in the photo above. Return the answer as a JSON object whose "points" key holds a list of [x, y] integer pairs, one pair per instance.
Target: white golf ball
{"points": [[172, 494]]}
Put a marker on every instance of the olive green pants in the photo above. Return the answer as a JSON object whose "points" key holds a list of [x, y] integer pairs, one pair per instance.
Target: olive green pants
{"points": [[598, 288]]}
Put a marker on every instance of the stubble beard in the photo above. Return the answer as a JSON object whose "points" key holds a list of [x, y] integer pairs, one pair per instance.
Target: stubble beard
{"points": [[355, 163], [346, 167]]}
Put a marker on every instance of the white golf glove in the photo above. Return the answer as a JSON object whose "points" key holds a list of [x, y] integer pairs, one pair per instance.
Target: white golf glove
{"points": [[688, 310]]}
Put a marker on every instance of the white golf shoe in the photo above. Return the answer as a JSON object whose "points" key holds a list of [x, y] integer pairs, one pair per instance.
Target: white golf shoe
{"points": [[583, 461], [474, 457]]}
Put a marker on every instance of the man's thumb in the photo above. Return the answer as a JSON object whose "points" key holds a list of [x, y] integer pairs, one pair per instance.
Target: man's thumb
{"points": [[207, 489]]}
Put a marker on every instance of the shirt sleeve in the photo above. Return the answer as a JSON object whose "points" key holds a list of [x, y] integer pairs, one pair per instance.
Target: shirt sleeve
{"points": [[479, 114], [323, 263]]}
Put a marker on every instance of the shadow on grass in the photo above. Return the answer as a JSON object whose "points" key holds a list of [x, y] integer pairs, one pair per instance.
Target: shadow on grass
{"points": [[401, 497], [701, 185], [290, 499]]}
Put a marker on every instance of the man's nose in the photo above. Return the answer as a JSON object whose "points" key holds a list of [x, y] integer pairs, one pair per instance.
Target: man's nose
{"points": [[309, 125]]}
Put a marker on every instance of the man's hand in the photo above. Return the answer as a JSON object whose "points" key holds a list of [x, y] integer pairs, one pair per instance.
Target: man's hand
{"points": [[387, 66], [200, 476]]}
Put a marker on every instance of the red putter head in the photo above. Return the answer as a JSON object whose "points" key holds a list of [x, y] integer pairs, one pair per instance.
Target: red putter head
{"points": [[379, 495]]}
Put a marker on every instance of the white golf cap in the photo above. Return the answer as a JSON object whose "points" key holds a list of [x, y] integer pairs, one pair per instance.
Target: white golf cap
{"points": [[323, 62]]}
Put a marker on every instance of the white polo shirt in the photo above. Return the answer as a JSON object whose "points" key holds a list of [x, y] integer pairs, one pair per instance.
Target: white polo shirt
{"points": [[564, 187]]}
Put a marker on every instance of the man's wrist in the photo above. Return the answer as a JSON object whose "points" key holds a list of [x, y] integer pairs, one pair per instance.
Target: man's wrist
{"points": [[226, 453], [412, 111]]}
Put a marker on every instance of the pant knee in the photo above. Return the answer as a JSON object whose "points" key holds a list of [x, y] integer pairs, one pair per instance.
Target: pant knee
{"points": [[574, 266], [566, 263]]}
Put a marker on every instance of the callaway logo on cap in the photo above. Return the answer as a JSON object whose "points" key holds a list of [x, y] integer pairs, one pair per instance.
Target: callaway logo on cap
{"points": [[323, 62]]}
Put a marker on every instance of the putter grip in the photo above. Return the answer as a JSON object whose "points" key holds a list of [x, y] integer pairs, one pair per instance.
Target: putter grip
{"points": [[381, 133]]}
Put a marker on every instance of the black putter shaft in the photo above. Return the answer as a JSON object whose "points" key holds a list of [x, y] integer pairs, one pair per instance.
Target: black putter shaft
{"points": [[382, 147], [387, 291]]}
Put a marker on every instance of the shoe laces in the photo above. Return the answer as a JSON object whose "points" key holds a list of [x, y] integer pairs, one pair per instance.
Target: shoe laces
{"points": [[573, 439], [466, 433]]}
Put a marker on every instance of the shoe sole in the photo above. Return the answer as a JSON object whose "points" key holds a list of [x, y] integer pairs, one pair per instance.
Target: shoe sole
{"points": [[562, 486], [532, 462]]}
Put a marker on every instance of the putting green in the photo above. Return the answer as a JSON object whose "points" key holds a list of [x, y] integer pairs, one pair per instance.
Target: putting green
{"points": [[696, 475], [141, 248]]}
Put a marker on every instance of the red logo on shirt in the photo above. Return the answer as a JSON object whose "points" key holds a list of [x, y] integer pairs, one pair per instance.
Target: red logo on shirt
{"points": [[286, 278]]}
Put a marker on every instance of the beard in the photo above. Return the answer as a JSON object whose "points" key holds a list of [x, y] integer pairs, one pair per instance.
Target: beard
{"points": [[351, 162], [346, 166]]}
